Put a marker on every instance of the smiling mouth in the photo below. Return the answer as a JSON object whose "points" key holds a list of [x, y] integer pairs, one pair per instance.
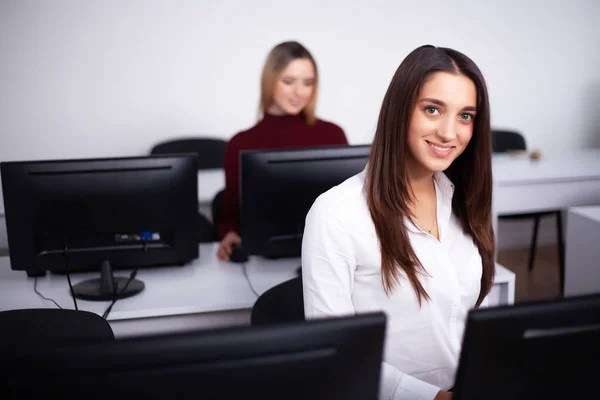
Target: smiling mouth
{"points": [[442, 149]]}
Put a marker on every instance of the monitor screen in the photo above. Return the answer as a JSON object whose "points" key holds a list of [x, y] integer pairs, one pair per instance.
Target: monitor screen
{"points": [[534, 350], [131, 212], [328, 358], [278, 187]]}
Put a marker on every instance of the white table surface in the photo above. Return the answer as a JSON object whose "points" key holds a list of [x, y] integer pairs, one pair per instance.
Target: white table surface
{"points": [[591, 212], [555, 182], [206, 285], [573, 164]]}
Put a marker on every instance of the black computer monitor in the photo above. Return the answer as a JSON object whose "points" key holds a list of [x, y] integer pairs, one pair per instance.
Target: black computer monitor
{"points": [[278, 187], [330, 358], [81, 214], [535, 350]]}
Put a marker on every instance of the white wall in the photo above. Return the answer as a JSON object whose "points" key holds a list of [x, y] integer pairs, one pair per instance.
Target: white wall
{"points": [[113, 77]]}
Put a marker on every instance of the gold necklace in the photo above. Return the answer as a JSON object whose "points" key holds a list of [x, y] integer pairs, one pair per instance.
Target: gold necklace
{"points": [[434, 220], [432, 223]]}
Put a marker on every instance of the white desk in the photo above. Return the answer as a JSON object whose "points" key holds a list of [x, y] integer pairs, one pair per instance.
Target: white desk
{"points": [[582, 252], [206, 293], [554, 182]]}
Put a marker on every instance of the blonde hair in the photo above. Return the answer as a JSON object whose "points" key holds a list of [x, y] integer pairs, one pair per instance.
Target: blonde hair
{"points": [[277, 60]]}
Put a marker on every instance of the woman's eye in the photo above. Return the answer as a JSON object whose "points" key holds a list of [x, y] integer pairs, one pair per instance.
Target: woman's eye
{"points": [[466, 116], [431, 110]]}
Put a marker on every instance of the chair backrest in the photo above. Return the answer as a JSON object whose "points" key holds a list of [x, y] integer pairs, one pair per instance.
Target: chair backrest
{"points": [[206, 230], [211, 152], [27, 329], [503, 141], [211, 155], [217, 207], [280, 304]]}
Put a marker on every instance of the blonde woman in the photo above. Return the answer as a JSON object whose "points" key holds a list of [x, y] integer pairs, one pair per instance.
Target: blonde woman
{"points": [[288, 102]]}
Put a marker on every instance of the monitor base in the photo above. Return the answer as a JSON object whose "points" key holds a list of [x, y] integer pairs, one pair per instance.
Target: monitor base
{"points": [[107, 287]]}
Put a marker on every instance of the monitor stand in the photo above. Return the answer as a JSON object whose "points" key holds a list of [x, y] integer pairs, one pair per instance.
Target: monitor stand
{"points": [[103, 288]]}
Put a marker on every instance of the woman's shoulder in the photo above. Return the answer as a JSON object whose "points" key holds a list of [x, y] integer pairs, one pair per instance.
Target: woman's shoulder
{"points": [[245, 138], [328, 125], [330, 132]]}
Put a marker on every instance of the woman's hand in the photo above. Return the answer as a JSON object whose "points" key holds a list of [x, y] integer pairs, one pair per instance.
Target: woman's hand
{"points": [[230, 240], [443, 395]]}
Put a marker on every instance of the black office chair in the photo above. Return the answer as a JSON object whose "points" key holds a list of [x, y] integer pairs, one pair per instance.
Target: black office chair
{"points": [[211, 151], [280, 304], [217, 209], [211, 155], [32, 328], [503, 141]]}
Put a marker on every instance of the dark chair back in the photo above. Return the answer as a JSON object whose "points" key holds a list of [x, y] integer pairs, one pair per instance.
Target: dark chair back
{"points": [[211, 155], [206, 231], [217, 208], [211, 152], [503, 141], [280, 304], [28, 329]]}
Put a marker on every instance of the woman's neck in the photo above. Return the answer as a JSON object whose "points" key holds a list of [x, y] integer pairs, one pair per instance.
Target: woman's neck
{"points": [[276, 110], [423, 204], [284, 119]]}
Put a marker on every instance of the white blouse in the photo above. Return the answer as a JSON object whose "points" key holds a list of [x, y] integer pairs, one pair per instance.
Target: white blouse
{"points": [[341, 273]]}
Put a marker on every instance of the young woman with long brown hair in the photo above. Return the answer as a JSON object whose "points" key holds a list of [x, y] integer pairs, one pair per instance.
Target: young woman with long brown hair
{"points": [[412, 234]]}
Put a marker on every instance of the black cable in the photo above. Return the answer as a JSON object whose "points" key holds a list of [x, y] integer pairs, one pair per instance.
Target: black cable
{"points": [[41, 295], [65, 250], [114, 300], [131, 277], [245, 271], [116, 297]]}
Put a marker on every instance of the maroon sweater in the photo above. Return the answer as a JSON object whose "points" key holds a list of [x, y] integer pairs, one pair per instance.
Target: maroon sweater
{"points": [[272, 132]]}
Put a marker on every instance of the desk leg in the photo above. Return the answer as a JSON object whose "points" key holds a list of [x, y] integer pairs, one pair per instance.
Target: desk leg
{"points": [[511, 292], [561, 251], [495, 227], [495, 220]]}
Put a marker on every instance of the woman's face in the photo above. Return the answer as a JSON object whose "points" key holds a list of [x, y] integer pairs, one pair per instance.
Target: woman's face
{"points": [[442, 120], [294, 88]]}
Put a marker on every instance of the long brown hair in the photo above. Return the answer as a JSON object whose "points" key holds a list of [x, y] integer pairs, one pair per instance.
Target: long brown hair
{"points": [[277, 60], [387, 184]]}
